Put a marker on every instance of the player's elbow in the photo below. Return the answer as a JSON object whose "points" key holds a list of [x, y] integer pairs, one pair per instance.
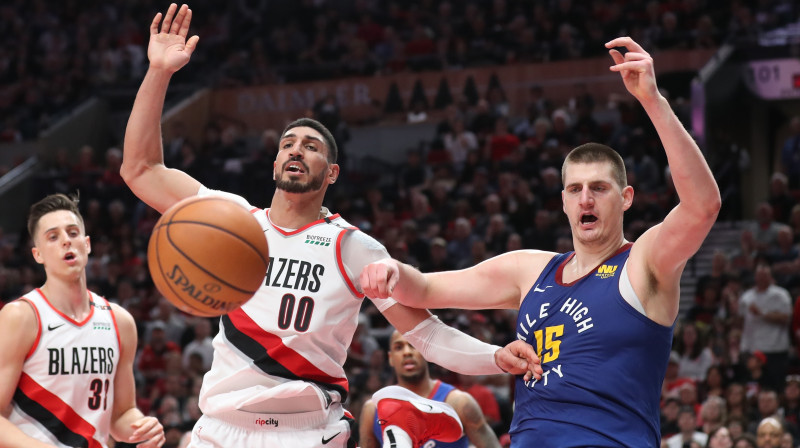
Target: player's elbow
{"points": [[130, 171], [705, 207], [135, 173], [713, 204]]}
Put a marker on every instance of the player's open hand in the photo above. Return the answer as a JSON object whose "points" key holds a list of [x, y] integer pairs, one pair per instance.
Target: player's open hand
{"points": [[169, 49], [378, 279], [636, 68], [519, 358], [148, 431]]}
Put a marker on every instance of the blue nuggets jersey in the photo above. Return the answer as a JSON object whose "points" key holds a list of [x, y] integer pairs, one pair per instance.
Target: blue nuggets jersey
{"points": [[603, 362], [440, 392]]}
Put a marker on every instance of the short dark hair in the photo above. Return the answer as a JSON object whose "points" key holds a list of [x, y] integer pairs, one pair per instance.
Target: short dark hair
{"points": [[596, 152], [49, 204], [330, 142]]}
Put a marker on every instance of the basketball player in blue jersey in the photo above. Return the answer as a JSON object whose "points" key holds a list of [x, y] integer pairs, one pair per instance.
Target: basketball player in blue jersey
{"points": [[277, 378], [601, 317], [66, 361], [414, 379]]}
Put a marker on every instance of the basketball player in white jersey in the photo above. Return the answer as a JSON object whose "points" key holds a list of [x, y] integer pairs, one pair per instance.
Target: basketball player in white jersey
{"points": [[277, 378], [66, 361]]}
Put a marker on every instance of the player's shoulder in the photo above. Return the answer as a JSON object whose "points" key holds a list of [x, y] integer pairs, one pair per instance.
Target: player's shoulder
{"points": [[534, 254], [530, 259], [20, 318], [356, 236], [119, 311], [125, 322], [337, 220], [20, 312], [465, 405]]}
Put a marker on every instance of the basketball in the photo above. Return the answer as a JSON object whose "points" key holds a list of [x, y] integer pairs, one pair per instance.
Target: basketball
{"points": [[207, 255]]}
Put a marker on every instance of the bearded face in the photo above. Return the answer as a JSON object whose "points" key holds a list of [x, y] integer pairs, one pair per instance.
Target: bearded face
{"points": [[295, 177]]}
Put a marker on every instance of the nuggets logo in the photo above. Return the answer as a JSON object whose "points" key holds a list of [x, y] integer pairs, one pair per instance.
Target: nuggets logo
{"points": [[606, 271]]}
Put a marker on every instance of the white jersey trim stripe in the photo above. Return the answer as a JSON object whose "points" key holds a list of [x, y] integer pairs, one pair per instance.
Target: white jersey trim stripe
{"points": [[38, 330], [340, 265]]}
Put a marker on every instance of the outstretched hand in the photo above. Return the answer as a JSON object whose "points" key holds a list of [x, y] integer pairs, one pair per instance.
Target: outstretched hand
{"points": [[378, 279], [169, 49], [519, 358], [636, 68]]}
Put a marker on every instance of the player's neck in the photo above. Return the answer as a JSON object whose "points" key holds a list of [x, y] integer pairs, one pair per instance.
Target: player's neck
{"points": [[422, 388], [588, 256], [70, 297], [292, 211]]}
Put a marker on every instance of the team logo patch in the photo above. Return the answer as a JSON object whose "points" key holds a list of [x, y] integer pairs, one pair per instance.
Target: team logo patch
{"points": [[318, 240], [102, 325], [606, 271]]}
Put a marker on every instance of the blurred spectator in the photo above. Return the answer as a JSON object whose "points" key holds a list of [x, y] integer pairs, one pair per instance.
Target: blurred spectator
{"points": [[713, 414], [769, 433], [745, 441], [765, 229], [790, 154], [737, 401], [152, 360], [695, 356], [687, 430], [714, 384], [767, 309], [669, 417], [780, 198], [791, 403], [767, 405], [719, 438], [200, 344]]}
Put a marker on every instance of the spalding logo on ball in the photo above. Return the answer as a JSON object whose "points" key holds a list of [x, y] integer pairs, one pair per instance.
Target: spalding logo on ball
{"points": [[208, 255]]}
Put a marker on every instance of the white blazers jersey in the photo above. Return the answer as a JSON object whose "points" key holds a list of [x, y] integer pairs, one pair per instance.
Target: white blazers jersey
{"points": [[66, 390], [284, 350]]}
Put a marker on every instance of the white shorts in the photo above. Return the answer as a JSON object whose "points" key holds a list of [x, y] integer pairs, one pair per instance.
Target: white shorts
{"points": [[329, 428]]}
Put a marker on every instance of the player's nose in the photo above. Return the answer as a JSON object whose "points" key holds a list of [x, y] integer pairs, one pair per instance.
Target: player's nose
{"points": [[586, 197]]}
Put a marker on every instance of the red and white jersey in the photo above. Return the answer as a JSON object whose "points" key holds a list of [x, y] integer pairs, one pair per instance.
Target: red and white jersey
{"points": [[284, 350], [66, 391]]}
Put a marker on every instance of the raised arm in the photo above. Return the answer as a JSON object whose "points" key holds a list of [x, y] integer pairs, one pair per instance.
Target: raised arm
{"points": [[660, 255], [19, 320], [143, 155], [128, 424], [497, 283]]}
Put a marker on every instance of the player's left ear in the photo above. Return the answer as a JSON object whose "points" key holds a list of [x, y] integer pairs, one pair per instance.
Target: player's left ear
{"points": [[333, 173], [37, 256], [627, 197], [88, 245]]}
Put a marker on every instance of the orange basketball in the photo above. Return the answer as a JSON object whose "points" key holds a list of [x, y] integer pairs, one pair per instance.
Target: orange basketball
{"points": [[208, 255]]}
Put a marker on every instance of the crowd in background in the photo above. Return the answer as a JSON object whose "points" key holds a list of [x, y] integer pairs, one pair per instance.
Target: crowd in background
{"points": [[485, 182], [54, 55]]}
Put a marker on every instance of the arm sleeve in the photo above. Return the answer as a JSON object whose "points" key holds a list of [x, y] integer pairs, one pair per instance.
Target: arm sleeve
{"points": [[359, 250], [453, 349]]}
